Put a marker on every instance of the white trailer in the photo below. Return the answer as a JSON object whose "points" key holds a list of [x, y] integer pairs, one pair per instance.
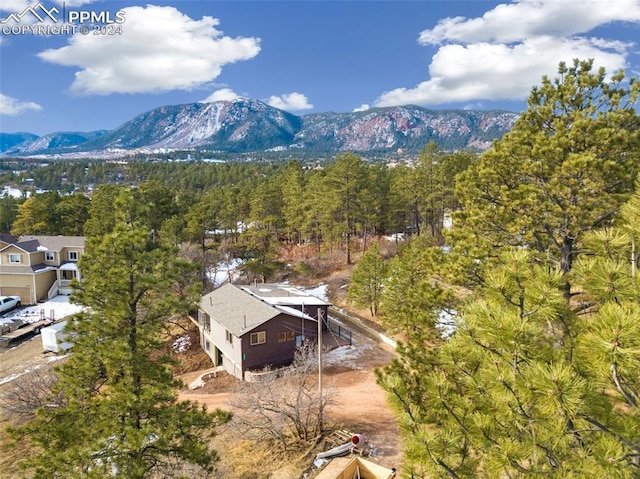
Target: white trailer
{"points": [[54, 339]]}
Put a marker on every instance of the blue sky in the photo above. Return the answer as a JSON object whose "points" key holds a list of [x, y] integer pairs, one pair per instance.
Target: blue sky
{"points": [[303, 56]]}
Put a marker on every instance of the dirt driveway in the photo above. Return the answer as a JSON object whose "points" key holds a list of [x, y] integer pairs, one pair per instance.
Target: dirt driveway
{"points": [[360, 405]]}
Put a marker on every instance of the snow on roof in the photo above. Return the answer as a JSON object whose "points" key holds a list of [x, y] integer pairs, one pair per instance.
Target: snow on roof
{"points": [[69, 267], [236, 310], [55, 327], [13, 192], [276, 294], [294, 312], [41, 268], [319, 292], [56, 243]]}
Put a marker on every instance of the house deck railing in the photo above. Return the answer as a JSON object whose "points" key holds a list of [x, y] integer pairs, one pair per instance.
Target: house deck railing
{"points": [[53, 291], [339, 330]]}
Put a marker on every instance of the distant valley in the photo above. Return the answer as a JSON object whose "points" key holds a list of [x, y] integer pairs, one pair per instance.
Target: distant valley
{"points": [[246, 125]]}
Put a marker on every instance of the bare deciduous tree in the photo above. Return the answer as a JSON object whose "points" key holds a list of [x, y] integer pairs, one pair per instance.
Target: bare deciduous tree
{"points": [[284, 405], [22, 396]]}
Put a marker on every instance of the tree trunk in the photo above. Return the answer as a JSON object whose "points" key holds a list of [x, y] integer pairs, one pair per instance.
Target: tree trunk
{"points": [[566, 262]]}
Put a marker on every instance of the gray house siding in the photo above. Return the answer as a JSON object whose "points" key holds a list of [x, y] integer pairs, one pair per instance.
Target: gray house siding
{"points": [[230, 349], [214, 341]]}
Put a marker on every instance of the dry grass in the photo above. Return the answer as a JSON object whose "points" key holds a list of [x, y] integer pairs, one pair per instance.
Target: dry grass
{"points": [[9, 457], [240, 458], [245, 459]]}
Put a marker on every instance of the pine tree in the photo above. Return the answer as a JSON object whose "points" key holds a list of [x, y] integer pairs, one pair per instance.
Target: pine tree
{"points": [[292, 184], [540, 378], [413, 299], [344, 183], [8, 212], [73, 212], [565, 168], [367, 279], [526, 387], [101, 219], [37, 215], [121, 415]]}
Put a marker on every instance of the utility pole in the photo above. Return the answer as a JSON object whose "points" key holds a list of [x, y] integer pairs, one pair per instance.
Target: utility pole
{"points": [[320, 411]]}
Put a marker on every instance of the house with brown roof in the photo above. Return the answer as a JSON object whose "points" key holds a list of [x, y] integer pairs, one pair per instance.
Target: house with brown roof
{"points": [[245, 328], [37, 268]]}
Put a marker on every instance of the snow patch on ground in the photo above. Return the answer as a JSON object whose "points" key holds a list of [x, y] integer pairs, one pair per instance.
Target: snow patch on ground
{"points": [[446, 323], [56, 308], [181, 344], [345, 356], [225, 272], [319, 291], [13, 377]]}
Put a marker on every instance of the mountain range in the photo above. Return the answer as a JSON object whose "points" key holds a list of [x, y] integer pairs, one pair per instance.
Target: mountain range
{"points": [[246, 125]]}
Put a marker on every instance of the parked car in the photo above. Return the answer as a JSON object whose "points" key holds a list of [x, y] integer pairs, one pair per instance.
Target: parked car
{"points": [[9, 302]]}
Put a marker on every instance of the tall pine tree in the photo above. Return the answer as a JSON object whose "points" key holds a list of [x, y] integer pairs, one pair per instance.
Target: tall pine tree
{"points": [[540, 378], [121, 415], [367, 279], [565, 168]]}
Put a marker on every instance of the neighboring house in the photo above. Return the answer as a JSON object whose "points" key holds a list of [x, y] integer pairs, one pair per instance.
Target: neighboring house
{"points": [[37, 268], [245, 328], [6, 239]]}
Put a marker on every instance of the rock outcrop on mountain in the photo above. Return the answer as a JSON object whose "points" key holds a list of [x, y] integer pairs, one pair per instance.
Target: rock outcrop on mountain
{"points": [[245, 125]]}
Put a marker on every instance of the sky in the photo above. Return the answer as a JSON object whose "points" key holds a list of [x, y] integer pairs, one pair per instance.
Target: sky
{"points": [[69, 73]]}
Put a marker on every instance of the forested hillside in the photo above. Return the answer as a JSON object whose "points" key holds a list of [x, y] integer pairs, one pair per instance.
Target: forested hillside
{"points": [[253, 207]]}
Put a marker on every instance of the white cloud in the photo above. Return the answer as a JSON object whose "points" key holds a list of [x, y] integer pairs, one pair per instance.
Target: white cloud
{"points": [[524, 19], [363, 107], [504, 53], [12, 106], [160, 49], [221, 95], [290, 102]]}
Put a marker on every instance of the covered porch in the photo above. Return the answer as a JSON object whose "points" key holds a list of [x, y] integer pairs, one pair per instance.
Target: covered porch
{"points": [[65, 274]]}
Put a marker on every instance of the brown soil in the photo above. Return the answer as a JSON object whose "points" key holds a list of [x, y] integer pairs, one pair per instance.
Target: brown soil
{"points": [[360, 405], [15, 360]]}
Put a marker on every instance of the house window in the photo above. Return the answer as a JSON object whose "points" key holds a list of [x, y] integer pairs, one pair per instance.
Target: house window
{"points": [[73, 256], [204, 321], [258, 338], [49, 256], [207, 346], [284, 336], [230, 337], [14, 258]]}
